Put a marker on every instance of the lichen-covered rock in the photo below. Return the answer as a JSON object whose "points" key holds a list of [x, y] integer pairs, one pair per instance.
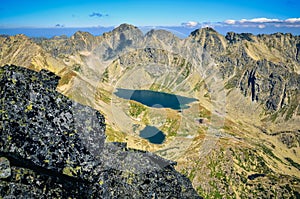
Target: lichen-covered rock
{"points": [[52, 147], [45, 127], [5, 170]]}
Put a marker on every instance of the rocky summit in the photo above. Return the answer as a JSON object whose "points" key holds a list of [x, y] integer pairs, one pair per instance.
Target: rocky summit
{"points": [[52, 147]]}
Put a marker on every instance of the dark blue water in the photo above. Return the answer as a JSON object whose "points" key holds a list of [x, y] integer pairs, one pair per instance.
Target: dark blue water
{"points": [[256, 175], [155, 99], [153, 135]]}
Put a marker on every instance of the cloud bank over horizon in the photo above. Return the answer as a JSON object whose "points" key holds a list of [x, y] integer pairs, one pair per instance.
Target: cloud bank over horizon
{"points": [[247, 23], [261, 23], [254, 26]]}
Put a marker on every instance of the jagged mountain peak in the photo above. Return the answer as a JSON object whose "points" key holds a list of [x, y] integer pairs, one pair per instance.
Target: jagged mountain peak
{"points": [[206, 34], [64, 37], [21, 36], [124, 31], [81, 34], [278, 34], [207, 30], [18, 37], [233, 37], [209, 39], [165, 38], [124, 27], [160, 33]]}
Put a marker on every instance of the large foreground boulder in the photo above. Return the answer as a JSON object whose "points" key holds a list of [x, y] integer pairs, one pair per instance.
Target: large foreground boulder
{"points": [[52, 147]]}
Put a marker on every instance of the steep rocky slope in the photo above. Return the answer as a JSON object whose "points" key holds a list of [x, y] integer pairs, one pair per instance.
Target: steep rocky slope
{"points": [[240, 139], [21, 50], [52, 147], [265, 67]]}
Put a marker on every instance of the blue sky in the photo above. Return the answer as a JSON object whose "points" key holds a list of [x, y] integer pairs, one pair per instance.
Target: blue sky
{"points": [[79, 13], [189, 13]]}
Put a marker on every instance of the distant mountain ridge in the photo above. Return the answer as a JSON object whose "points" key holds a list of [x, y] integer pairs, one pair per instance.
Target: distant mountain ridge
{"points": [[180, 31], [264, 54]]}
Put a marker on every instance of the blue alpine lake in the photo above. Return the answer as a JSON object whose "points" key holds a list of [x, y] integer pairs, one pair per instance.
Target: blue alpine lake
{"points": [[155, 99], [153, 135]]}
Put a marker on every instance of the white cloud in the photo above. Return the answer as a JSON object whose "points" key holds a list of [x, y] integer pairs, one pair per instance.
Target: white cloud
{"points": [[259, 20], [229, 21], [190, 24], [292, 20], [261, 23], [242, 20]]}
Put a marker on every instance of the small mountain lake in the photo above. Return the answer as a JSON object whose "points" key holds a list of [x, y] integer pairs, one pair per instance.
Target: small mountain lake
{"points": [[155, 99], [153, 135]]}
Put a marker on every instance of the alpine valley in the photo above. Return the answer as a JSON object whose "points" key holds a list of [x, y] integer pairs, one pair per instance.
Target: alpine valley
{"points": [[236, 132]]}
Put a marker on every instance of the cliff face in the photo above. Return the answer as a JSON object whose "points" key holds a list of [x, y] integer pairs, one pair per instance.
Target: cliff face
{"points": [[246, 145], [54, 147], [264, 67]]}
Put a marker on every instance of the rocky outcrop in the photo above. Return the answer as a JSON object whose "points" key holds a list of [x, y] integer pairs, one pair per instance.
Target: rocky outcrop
{"points": [[21, 50], [52, 147], [209, 39], [289, 140], [263, 67]]}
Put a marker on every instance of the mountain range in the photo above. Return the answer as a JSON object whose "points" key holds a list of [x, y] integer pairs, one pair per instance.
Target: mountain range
{"points": [[239, 139]]}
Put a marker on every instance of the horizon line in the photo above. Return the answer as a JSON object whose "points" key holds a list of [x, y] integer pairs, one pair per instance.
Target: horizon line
{"points": [[179, 31]]}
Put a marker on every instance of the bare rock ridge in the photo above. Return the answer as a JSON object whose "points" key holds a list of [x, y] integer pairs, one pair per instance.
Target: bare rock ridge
{"points": [[264, 67], [52, 147]]}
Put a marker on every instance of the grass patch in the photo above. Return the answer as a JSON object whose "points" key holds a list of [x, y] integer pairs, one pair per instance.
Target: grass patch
{"points": [[293, 104], [192, 174], [67, 78], [198, 86], [274, 116], [103, 95], [105, 76], [203, 112], [136, 108], [229, 85], [171, 126], [294, 164], [290, 112], [113, 135], [207, 95], [77, 68], [269, 152]]}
